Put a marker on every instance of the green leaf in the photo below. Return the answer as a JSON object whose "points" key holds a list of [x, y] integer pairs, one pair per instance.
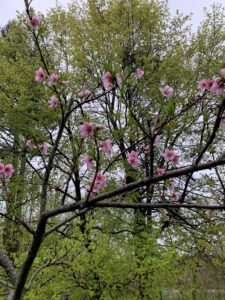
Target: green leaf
{"points": [[170, 106]]}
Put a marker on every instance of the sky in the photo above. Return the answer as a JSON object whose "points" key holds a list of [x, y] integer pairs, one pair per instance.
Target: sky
{"points": [[8, 8]]}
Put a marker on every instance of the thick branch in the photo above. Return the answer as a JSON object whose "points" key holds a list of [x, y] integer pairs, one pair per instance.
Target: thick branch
{"points": [[133, 186], [158, 205]]}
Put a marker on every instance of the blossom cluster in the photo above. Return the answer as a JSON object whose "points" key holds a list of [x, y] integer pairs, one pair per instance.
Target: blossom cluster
{"points": [[108, 81], [216, 85], [172, 156], [32, 145], [53, 80], [98, 182]]}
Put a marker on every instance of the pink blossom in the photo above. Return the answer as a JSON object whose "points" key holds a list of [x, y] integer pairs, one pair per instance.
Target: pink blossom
{"points": [[222, 122], [160, 171], [204, 84], [164, 212], [40, 75], [175, 159], [86, 83], [52, 190], [99, 126], [107, 81], [99, 182], [2, 168], [133, 159], [86, 129], [217, 86], [222, 72], [52, 80], [167, 91], [210, 83], [34, 21], [217, 89], [174, 196], [8, 170], [63, 83], [40, 189], [156, 141], [45, 148], [87, 160], [168, 155], [197, 97], [30, 144], [106, 146], [146, 148], [139, 73], [85, 94], [172, 185], [53, 102], [118, 80]]}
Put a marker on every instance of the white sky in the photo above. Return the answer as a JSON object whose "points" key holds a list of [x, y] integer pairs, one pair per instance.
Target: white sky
{"points": [[8, 8]]}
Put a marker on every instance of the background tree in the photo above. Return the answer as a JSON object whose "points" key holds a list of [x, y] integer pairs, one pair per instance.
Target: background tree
{"points": [[164, 224]]}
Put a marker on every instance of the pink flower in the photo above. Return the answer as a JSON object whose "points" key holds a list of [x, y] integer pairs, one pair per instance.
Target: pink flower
{"points": [[217, 86], [222, 122], [172, 185], [139, 73], [133, 159], [45, 148], [40, 189], [118, 80], [156, 141], [222, 72], [174, 196], [52, 190], [99, 126], [40, 75], [175, 159], [164, 212], [34, 21], [52, 80], [30, 144], [85, 94], [145, 148], [204, 84], [197, 97], [107, 81], [99, 182], [167, 91], [63, 83], [87, 160], [53, 102], [100, 179], [2, 168], [86, 83], [168, 155], [86, 129], [160, 171], [8, 170], [106, 146]]}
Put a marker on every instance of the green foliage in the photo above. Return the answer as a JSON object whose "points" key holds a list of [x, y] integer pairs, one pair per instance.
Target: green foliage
{"points": [[111, 254]]}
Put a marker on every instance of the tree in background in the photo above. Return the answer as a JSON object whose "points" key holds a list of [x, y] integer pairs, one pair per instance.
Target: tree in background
{"points": [[110, 116]]}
